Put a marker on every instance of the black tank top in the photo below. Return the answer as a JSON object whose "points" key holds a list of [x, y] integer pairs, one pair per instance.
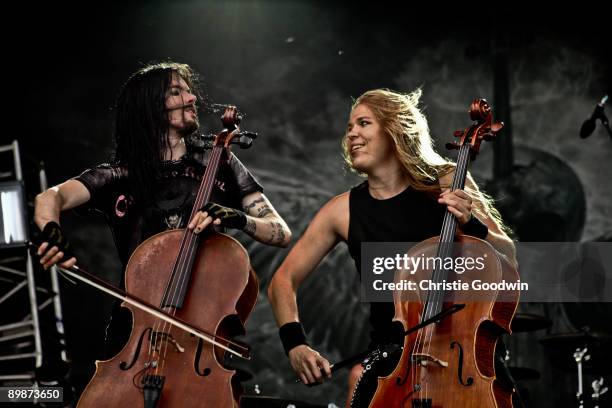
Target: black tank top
{"points": [[410, 216]]}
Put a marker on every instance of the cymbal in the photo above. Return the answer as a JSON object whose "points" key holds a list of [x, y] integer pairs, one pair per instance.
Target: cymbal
{"points": [[524, 322], [572, 341], [561, 348], [524, 373]]}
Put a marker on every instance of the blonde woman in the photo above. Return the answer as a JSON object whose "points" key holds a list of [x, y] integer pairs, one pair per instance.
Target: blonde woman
{"points": [[403, 199]]}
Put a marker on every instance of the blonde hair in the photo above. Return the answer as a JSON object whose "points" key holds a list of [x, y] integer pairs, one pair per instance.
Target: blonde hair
{"points": [[402, 120]]}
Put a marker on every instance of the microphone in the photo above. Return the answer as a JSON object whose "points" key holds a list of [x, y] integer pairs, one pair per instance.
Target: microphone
{"points": [[588, 126]]}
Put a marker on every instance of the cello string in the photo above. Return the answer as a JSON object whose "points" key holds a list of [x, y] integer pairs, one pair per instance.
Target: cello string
{"points": [[191, 248], [155, 332], [179, 280], [191, 237], [429, 304], [449, 233], [432, 301], [166, 330], [446, 239], [179, 264], [424, 335]]}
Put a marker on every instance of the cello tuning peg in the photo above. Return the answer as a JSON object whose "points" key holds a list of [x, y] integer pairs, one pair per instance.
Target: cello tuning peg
{"points": [[252, 135], [243, 141], [497, 126], [458, 133], [452, 146]]}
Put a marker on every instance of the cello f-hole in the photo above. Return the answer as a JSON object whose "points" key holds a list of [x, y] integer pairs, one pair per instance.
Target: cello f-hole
{"points": [[469, 381], [123, 365], [196, 362], [402, 380]]}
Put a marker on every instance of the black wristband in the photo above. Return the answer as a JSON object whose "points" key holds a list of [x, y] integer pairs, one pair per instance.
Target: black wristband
{"points": [[292, 335], [475, 228]]}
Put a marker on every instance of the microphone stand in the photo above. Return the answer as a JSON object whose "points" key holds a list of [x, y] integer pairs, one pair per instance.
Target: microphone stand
{"points": [[606, 124], [589, 125]]}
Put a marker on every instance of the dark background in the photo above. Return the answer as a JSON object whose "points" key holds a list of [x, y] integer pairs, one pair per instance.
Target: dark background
{"points": [[293, 67]]}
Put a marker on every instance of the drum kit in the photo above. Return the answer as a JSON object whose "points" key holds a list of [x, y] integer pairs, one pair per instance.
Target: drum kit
{"points": [[583, 353]]}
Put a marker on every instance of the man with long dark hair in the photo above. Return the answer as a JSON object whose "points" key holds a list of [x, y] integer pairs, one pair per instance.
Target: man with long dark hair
{"points": [[152, 182]]}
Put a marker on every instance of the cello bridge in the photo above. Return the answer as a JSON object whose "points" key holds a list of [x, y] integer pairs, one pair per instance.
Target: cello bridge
{"points": [[157, 338], [423, 359]]}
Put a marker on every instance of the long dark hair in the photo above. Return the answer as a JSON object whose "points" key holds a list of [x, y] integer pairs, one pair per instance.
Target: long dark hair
{"points": [[141, 124]]}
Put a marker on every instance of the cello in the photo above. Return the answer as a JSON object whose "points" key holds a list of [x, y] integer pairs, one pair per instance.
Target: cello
{"points": [[205, 281], [448, 361]]}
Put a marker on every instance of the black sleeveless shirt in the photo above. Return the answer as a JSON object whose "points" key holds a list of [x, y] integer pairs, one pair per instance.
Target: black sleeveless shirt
{"points": [[410, 216]]}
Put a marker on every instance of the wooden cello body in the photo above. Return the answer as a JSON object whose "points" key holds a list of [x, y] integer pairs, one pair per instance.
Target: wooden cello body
{"points": [[456, 367], [206, 281], [450, 363], [189, 361]]}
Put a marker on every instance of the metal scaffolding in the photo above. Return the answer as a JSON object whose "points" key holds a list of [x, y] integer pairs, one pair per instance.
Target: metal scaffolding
{"points": [[21, 299]]}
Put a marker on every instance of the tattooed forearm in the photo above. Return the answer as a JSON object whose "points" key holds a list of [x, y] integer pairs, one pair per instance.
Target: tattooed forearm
{"points": [[281, 232], [263, 211], [250, 227], [259, 208], [252, 205], [272, 233], [277, 233], [264, 223]]}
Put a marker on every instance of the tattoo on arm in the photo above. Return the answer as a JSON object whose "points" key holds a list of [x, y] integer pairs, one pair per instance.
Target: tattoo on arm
{"points": [[258, 208], [276, 233], [281, 232], [252, 205], [263, 211], [272, 233], [250, 227]]}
